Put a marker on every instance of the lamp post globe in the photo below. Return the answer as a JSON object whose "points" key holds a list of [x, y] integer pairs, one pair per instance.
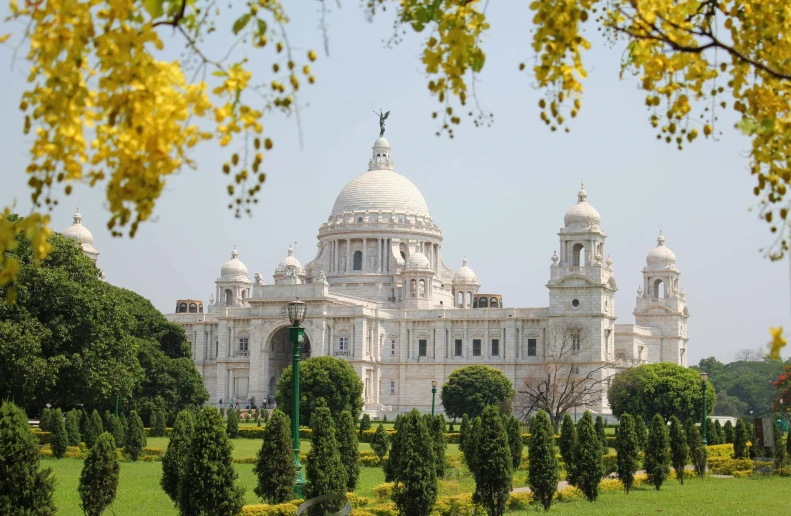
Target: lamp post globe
{"points": [[433, 394], [703, 377], [296, 314]]}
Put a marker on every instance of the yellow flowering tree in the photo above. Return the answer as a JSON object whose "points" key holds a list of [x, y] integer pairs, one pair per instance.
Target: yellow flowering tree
{"points": [[103, 108]]}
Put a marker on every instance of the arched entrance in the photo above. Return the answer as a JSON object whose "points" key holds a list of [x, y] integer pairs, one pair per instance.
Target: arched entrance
{"points": [[280, 356]]}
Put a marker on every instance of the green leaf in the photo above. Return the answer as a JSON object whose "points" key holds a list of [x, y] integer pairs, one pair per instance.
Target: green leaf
{"points": [[261, 27], [241, 23], [219, 73], [746, 126], [154, 7]]}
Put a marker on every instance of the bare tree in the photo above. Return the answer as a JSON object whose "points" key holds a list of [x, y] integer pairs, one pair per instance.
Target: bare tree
{"points": [[749, 355], [565, 379]]}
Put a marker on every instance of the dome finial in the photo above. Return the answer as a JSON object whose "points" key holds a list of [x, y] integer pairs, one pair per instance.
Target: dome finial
{"points": [[77, 217], [464, 262], [661, 240], [582, 195], [234, 253], [290, 251]]}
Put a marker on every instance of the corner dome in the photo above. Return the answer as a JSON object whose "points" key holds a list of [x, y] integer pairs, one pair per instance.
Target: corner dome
{"points": [[78, 232], [290, 260], [234, 269], [582, 214], [465, 274], [418, 259], [661, 257]]}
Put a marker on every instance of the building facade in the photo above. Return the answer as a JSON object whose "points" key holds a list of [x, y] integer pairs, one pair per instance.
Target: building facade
{"points": [[381, 297]]}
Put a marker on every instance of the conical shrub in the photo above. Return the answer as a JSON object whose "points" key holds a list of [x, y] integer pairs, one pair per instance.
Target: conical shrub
{"points": [[657, 453], [543, 466], [641, 431], [275, 468], [161, 423], [95, 429], [135, 437], [44, 419], [232, 424], [740, 438], [437, 430], [728, 431], [99, 477], [628, 452], [325, 472], [174, 462], [494, 474], [349, 448], [697, 452], [599, 425], [588, 465], [515, 441], [567, 442], [73, 427], [679, 449], [464, 432], [58, 439], [380, 443], [415, 490]]}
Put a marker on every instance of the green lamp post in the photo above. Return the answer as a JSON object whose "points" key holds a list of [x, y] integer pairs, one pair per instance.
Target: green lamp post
{"points": [[296, 314], [433, 394], [703, 377]]}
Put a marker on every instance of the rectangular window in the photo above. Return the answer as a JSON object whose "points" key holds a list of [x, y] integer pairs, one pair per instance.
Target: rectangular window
{"points": [[422, 347], [392, 388], [575, 342], [343, 345], [392, 347], [243, 346], [458, 345], [531, 347], [495, 347], [476, 347]]}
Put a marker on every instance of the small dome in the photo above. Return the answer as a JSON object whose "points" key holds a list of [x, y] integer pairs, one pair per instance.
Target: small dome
{"points": [[418, 259], [234, 269], [465, 274], [78, 232], [582, 213], [382, 142], [660, 257], [290, 260]]}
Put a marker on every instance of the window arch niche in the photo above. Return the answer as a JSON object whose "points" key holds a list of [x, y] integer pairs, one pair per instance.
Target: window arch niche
{"points": [[422, 288], [358, 261], [228, 297], [182, 308], [659, 288], [483, 303], [193, 308], [494, 303], [578, 255], [475, 303]]}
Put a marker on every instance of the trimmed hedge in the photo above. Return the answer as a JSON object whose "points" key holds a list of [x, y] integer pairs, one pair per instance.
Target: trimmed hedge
{"points": [[720, 450], [43, 437], [728, 466]]}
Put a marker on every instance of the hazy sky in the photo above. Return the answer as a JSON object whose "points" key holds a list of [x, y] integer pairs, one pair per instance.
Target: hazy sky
{"points": [[498, 194]]}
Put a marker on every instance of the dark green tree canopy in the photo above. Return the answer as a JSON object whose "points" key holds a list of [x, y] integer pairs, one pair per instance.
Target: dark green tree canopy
{"points": [[543, 476], [662, 388], [275, 468], [628, 452], [743, 385], [471, 389], [327, 378], [174, 462], [99, 477], [71, 338]]}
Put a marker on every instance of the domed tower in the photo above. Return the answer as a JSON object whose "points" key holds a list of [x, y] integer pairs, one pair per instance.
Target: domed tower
{"points": [[82, 237], [233, 285], [465, 286], [662, 305], [379, 220], [288, 266], [581, 284]]}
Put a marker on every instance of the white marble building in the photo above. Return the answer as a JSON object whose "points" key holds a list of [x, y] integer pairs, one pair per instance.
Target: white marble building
{"points": [[380, 296]]}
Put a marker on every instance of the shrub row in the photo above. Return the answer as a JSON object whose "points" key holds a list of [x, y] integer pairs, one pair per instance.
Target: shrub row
{"points": [[728, 466]]}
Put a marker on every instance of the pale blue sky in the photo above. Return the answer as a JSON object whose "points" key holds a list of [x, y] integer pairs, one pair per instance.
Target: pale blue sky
{"points": [[498, 193]]}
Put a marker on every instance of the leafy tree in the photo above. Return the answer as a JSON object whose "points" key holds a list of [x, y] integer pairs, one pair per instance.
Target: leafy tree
{"points": [[59, 439], [95, 429], [728, 432], [44, 420], [437, 431], [543, 466], [628, 452], [174, 462], [24, 488], [365, 423], [232, 424], [99, 477], [601, 434], [325, 472], [390, 466], [209, 482], [697, 452], [657, 454], [472, 388], [642, 432], [380, 442], [73, 427], [728, 405], [493, 470], [779, 449], [135, 436], [740, 439], [514, 441], [106, 419], [588, 465], [661, 388], [325, 378], [349, 448], [743, 386], [116, 428], [567, 441], [464, 433], [679, 449], [415, 489], [275, 469]]}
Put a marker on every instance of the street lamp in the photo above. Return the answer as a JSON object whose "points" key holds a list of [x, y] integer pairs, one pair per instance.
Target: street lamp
{"points": [[703, 377], [433, 394], [296, 314]]}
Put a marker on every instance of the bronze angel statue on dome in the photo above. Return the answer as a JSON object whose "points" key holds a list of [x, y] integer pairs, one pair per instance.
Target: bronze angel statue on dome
{"points": [[382, 118]]}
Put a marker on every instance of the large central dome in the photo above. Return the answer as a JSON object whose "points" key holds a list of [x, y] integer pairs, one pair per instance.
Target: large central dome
{"points": [[381, 189]]}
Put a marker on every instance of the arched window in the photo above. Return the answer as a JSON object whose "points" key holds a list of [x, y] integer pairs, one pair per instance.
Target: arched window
{"points": [[483, 303], [228, 297], [469, 298], [200, 308], [659, 288], [193, 308], [460, 299], [422, 288], [475, 303], [183, 308], [244, 293], [358, 261], [578, 255], [412, 287], [494, 303]]}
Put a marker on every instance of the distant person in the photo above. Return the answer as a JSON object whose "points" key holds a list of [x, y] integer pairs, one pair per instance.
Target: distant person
{"points": [[220, 407], [236, 401]]}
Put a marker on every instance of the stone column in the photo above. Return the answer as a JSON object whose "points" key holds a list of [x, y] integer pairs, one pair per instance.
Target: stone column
{"points": [[348, 255], [379, 255], [364, 266]]}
